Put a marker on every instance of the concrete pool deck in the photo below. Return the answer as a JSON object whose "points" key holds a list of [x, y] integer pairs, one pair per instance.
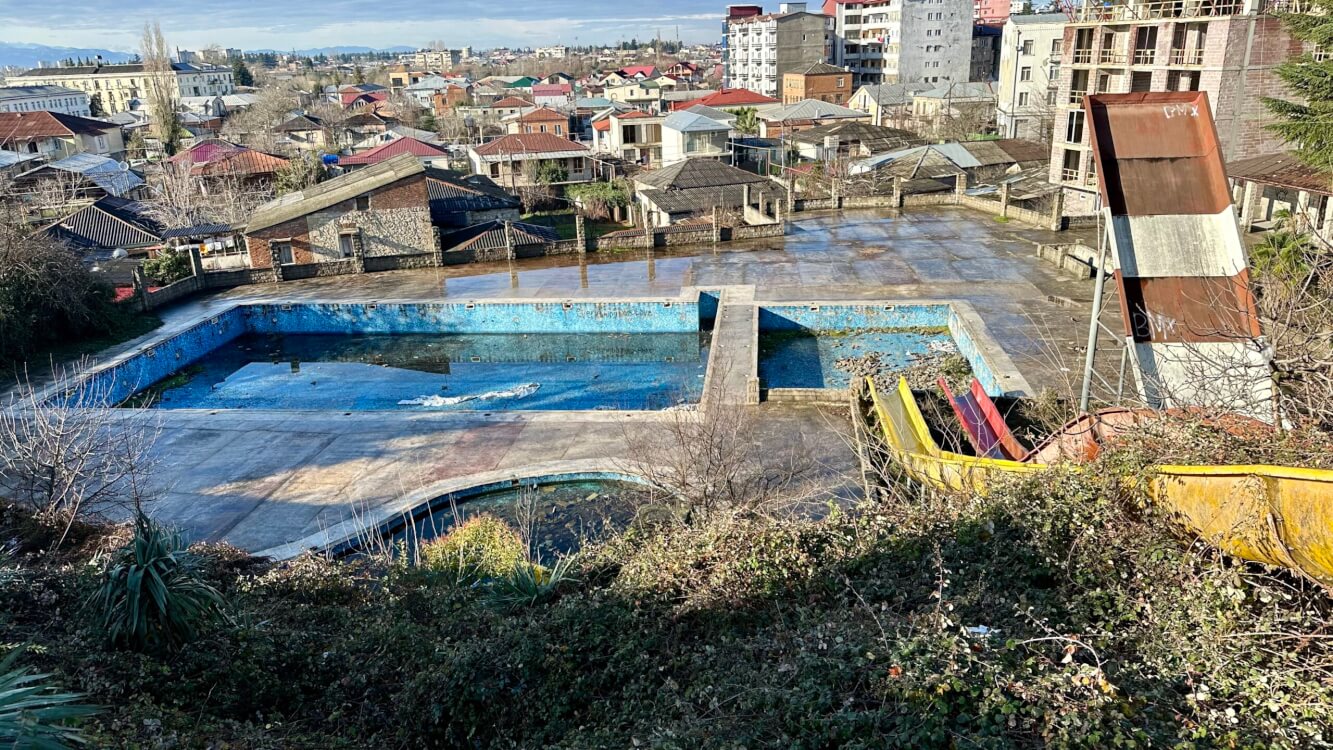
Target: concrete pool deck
{"points": [[263, 479]]}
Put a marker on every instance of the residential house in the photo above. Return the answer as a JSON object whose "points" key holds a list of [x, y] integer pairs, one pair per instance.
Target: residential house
{"points": [[680, 97], [850, 139], [559, 77], [889, 104], [508, 106], [540, 120], [381, 210], [694, 187], [529, 159], [212, 160], [889, 41], [428, 153], [306, 132], [645, 95], [394, 133], [553, 94], [761, 48], [805, 115], [1229, 50], [60, 99], [115, 87], [458, 200], [1031, 46], [684, 69], [689, 134], [361, 94], [106, 225], [207, 107], [55, 135], [403, 76], [821, 81], [77, 180], [422, 90], [365, 125], [447, 100], [1263, 187], [634, 136], [955, 111], [734, 99]]}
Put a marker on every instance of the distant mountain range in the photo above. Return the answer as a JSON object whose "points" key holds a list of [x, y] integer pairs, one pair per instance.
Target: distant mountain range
{"points": [[20, 55]]}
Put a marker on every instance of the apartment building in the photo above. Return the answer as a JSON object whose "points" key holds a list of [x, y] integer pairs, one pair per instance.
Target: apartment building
{"points": [[66, 101], [1227, 48], [436, 59], [1031, 48], [761, 48], [902, 41], [115, 87], [992, 12], [821, 81]]}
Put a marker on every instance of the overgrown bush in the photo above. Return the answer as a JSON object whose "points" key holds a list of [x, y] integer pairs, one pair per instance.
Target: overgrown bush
{"points": [[151, 597], [481, 547], [169, 266]]}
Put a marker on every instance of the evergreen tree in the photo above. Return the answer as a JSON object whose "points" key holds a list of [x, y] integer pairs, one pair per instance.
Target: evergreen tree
{"points": [[241, 73], [1308, 127], [95, 107]]}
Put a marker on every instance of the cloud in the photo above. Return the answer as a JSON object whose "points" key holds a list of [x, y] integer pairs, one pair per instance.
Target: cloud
{"points": [[256, 24]]}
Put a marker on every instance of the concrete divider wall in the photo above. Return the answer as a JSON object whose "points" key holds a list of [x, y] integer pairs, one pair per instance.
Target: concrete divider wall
{"points": [[649, 316]]}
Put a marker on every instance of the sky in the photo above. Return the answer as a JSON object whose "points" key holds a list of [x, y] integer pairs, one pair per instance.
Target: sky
{"points": [[294, 24]]}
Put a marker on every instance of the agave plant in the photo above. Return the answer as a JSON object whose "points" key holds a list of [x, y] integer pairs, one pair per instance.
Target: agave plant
{"points": [[529, 583], [34, 713], [151, 595]]}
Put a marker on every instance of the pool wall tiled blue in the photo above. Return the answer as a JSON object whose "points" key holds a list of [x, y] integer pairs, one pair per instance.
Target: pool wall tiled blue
{"points": [[118, 382], [488, 317], [853, 317]]}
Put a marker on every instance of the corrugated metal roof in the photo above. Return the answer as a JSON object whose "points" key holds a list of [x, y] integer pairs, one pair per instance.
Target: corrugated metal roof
{"points": [[452, 193], [396, 147], [490, 235], [690, 122], [545, 145], [335, 191], [108, 223], [198, 230], [813, 109], [698, 173], [1282, 170], [113, 177]]}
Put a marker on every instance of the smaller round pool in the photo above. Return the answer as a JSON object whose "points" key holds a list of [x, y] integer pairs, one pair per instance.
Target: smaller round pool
{"points": [[562, 511]]}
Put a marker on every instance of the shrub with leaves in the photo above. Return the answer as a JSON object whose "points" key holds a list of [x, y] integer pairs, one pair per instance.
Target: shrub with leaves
{"points": [[151, 597], [36, 714], [529, 583], [169, 266], [481, 547]]}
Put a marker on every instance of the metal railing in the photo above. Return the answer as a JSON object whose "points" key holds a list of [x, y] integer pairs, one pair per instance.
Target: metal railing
{"points": [[1112, 57], [1162, 9], [1145, 56], [1186, 57], [1082, 56]]}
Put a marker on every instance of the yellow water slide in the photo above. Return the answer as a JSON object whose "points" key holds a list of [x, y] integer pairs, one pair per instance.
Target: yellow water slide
{"points": [[1271, 514]]}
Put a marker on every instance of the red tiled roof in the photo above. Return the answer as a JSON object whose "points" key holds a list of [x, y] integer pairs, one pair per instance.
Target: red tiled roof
{"points": [[205, 151], [26, 126], [529, 143], [543, 114], [369, 97], [728, 98], [634, 114], [393, 148], [551, 89], [633, 70], [602, 126], [241, 163], [509, 102]]}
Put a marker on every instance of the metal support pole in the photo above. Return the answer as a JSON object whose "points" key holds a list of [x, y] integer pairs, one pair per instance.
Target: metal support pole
{"points": [[1092, 324]]}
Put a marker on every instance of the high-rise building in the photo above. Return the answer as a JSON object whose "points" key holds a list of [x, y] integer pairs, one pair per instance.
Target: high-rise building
{"points": [[1031, 48], [902, 41], [119, 88], [761, 47], [1229, 49]]}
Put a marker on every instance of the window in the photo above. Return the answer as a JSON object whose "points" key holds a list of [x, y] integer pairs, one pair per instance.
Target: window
{"points": [[842, 82], [101, 144], [1057, 46], [1025, 73], [541, 128], [363, 203], [1027, 46], [1051, 96], [1069, 165], [1022, 98], [1074, 127], [495, 169], [558, 130], [282, 250], [346, 245]]}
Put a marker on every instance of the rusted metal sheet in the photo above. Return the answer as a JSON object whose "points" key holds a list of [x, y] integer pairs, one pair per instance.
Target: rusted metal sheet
{"points": [[1190, 309], [1157, 153]]}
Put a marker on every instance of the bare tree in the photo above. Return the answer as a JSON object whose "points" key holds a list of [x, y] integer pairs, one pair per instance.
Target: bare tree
{"points": [[182, 200], [714, 463], [160, 79], [68, 454], [254, 127]]}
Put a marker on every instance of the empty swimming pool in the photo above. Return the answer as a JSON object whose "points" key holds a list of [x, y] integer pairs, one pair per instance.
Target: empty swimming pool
{"points": [[469, 356]]}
